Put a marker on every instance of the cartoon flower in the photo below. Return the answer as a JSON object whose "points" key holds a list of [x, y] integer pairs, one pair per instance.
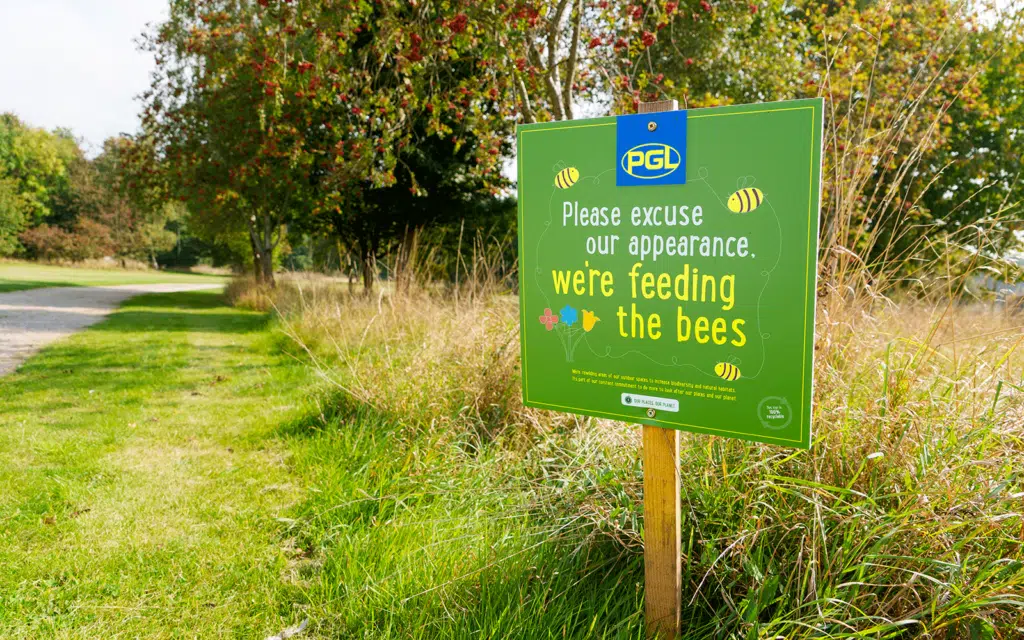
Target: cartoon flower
{"points": [[589, 320], [569, 315], [549, 319]]}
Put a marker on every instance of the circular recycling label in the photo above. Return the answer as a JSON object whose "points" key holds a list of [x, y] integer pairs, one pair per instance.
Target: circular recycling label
{"points": [[774, 412]]}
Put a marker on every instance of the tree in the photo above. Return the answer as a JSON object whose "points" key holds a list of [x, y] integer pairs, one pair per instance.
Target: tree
{"points": [[701, 52], [267, 112], [36, 161], [365, 120], [979, 190], [136, 216], [922, 100]]}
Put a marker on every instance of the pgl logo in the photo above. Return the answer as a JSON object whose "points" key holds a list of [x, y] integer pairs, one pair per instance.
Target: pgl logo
{"points": [[651, 161], [651, 149]]}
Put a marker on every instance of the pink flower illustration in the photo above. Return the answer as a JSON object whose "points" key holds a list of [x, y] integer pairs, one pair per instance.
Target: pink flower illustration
{"points": [[549, 319]]}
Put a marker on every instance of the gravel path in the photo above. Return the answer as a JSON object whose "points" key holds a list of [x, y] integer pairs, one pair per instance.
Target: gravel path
{"points": [[30, 320]]}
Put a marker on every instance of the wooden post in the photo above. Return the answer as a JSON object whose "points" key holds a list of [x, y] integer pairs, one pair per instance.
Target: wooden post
{"points": [[663, 589]]}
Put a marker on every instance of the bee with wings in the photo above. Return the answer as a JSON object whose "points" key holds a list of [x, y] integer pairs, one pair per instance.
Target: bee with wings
{"points": [[728, 371], [565, 176], [747, 197]]}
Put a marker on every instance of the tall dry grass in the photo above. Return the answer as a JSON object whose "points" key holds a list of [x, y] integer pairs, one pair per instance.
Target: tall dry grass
{"points": [[904, 518], [889, 137]]}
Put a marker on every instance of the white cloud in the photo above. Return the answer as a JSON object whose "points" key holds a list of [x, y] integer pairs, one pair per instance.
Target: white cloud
{"points": [[72, 63]]}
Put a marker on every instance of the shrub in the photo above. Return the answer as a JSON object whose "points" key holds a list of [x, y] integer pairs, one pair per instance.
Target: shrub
{"points": [[88, 240], [45, 242], [249, 294]]}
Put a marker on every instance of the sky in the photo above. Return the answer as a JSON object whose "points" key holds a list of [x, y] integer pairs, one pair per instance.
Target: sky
{"points": [[73, 63]]}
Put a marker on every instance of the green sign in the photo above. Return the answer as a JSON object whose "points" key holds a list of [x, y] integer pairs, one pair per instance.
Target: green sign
{"points": [[668, 268]]}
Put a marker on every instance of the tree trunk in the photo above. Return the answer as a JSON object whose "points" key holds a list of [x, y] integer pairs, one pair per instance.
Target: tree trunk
{"points": [[350, 269], [268, 249], [257, 267], [267, 259], [369, 271], [263, 244], [405, 260]]}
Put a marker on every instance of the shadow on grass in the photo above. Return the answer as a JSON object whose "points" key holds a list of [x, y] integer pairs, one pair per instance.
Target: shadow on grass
{"points": [[208, 299], [532, 590], [149, 321], [98, 364], [7, 286], [177, 312], [379, 479]]}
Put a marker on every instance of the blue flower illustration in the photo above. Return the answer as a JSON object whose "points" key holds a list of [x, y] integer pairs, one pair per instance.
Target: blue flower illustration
{"points": [[569, 316]]}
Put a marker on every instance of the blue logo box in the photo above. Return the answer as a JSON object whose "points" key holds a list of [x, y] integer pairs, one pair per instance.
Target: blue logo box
{"points": [[647, 158]]}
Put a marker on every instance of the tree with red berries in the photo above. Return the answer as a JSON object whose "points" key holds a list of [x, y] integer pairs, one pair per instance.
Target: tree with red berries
{"points": [[351, 117], [265, 114]]}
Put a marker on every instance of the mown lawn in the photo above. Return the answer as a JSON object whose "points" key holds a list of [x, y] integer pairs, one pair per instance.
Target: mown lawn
{"points": [[174, 472], [18, 276], [139, 478]]}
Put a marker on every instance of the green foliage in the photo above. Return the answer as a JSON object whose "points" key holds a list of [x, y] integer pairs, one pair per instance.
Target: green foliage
{"points": [[55, 204], [12, 216], [355, 118], [37, 161], [361, 121], [923, 106], [979, 190]]}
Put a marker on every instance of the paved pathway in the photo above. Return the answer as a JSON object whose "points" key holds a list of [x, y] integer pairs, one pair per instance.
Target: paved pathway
{"points": [[30, 320]]}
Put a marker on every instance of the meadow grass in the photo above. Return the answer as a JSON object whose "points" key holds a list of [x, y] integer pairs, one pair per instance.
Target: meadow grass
{"points": [[18, 276], [903, 521]]}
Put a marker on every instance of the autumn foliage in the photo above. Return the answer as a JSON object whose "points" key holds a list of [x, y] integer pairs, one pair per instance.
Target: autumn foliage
{"points": [[334, 117]]}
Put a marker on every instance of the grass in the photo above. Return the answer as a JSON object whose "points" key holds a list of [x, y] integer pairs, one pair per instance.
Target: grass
{"points": [[189, 468], [140, 480], [173, 471], [19, 276], [903, 521]]}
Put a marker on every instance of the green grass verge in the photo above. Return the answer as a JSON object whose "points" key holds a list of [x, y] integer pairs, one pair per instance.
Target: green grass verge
{"points": [[139, 483], [171, 472], [18, 276], [403, 536]]}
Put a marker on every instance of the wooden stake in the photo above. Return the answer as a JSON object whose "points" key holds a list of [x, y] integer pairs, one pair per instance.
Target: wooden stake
{"points": [[663, 588]]}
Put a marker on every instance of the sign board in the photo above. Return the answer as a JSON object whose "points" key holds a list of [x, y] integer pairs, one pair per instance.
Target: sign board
{"points": [[668, 268]]}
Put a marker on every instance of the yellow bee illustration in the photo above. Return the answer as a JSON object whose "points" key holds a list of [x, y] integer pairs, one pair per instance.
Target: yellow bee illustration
{"points": [[727, 371], [567, 177], [745, 200], [589, 319]]}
